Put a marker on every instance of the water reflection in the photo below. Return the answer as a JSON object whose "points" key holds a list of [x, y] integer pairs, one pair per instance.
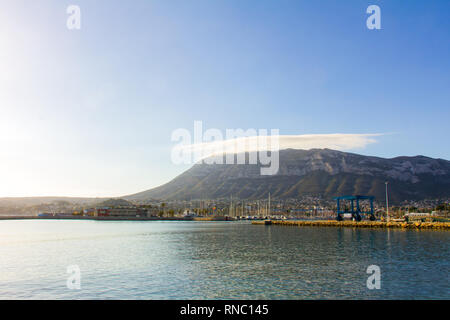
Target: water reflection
{"points": [[218, 260]]}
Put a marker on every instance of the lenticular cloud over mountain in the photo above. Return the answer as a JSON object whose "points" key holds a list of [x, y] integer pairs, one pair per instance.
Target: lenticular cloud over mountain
{"points": [[336, 141]]}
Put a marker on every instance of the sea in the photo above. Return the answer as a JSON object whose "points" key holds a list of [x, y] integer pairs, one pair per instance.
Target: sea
{"points": [[146, 260]]}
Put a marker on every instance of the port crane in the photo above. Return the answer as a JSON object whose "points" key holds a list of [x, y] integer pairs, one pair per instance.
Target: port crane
{"points": [[356, 212]]}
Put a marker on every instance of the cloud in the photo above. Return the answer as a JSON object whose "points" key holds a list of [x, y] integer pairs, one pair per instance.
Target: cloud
{"points": [[336, 141]]}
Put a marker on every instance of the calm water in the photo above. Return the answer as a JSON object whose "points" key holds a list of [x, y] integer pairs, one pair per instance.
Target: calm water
{"points": [[218, 260]]}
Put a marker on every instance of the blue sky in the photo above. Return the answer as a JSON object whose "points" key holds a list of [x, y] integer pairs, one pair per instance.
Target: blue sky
{"points": [[90, 112]]}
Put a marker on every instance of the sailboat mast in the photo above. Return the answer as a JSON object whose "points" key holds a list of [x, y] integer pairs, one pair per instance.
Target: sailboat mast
{"points": [[259, 211], [231, 207]]}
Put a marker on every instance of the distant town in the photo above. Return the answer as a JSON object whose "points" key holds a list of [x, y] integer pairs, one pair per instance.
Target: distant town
{"points": [[304, 207]]}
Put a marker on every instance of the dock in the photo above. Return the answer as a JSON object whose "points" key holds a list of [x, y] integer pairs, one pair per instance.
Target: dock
{"points": [[361, 224]]}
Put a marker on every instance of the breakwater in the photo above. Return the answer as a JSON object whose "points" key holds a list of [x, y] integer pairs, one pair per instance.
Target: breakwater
{"points": [[361, 224]]}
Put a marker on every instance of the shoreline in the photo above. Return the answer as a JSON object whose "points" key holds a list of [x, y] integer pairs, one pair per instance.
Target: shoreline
{"points": [[294, 223], [361, 224], [103, 218]]}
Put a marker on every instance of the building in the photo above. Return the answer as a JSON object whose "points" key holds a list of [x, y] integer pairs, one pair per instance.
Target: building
{"points": [[102, 212], [121, 211]]}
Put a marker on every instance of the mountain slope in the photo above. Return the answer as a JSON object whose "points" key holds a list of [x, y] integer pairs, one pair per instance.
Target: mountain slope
{"points": [[312, 172]]}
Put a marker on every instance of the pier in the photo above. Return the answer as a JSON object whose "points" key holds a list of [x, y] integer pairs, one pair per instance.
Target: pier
{"points": [[361, 224]]}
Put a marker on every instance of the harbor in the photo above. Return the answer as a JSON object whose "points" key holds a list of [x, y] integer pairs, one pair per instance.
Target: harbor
{"points": [[351, 211]]}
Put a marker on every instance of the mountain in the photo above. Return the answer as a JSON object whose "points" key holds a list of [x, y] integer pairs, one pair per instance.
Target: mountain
{"points": [[113, 202], [323, 172], [33, 201]]}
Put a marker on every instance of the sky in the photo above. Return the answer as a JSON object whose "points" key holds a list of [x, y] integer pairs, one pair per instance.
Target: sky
{"points": [[90, 112]]}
